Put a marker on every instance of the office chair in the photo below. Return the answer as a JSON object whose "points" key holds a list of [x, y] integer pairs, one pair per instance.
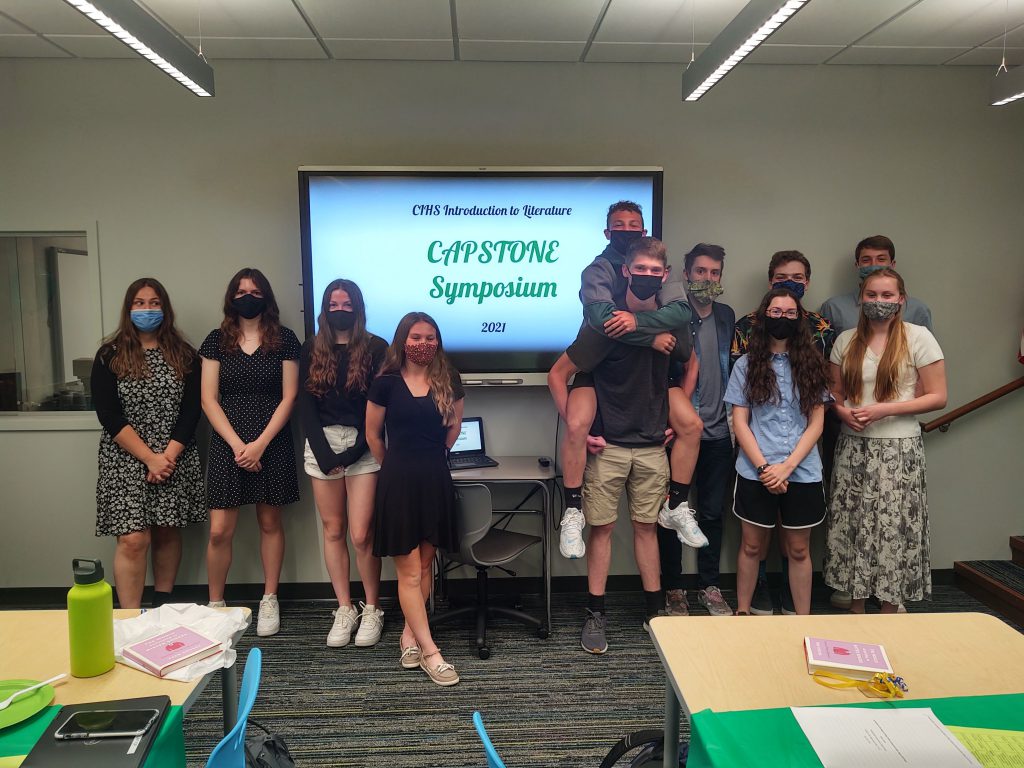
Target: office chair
{"points": [[230, 753], [483, 546], [493, 761]]}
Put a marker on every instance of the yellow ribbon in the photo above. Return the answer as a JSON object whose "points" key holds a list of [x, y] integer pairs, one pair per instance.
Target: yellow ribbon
{"points": [[882, 685]]}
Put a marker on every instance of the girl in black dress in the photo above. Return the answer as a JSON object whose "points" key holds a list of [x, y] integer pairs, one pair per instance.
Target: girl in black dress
{"points": [[145, 385], [418, 399], [335, 371], [250, 379]]}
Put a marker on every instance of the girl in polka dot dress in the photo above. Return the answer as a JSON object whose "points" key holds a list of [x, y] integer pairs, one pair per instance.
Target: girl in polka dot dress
{"points": [[250, 380]]}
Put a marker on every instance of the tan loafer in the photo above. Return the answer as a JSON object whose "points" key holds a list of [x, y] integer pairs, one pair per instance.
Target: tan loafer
{"points": [[442, 673], [410, 657]]}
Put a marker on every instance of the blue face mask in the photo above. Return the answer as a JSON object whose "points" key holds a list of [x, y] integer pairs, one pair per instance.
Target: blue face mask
{"points": [[147, 320], [797, 289], [863, 272]]}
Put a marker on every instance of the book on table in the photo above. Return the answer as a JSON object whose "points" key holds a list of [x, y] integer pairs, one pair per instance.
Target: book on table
{"points": [[860, 661], [176, 648]]}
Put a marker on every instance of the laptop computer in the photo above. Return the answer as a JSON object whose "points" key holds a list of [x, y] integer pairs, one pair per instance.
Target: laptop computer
{"points": [[468, 451]]}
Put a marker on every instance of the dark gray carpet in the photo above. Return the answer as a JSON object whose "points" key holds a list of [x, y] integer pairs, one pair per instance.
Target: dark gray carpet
{"points": [[1003, 571], [545, 702]]}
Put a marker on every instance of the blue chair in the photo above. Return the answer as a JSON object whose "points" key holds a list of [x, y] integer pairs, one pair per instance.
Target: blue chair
{"points": [[230, 753], [493, 761]]}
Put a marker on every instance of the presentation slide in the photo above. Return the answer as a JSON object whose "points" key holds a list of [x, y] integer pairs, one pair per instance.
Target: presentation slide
{"points": [[495, 259]]}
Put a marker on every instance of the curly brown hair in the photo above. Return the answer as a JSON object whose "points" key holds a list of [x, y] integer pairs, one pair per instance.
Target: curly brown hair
{"points": [[270, 320], [123, 348], [810, 376], [323, 369]]}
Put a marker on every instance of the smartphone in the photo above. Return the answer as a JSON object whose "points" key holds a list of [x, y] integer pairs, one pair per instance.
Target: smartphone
{"points": [[107, 724]]}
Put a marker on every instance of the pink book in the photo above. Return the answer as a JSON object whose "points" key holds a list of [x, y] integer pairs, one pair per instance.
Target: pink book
{"points": [[861, 661], [171, 650]]}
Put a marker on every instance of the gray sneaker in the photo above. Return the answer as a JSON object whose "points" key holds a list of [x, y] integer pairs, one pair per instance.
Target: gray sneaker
{"points": [[592, 637], [711, 598], [675, 603], [761, 602]]}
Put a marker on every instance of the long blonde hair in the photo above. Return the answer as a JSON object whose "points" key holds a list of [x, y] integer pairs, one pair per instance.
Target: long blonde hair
{"points": [[439, 373], [894, 359]]}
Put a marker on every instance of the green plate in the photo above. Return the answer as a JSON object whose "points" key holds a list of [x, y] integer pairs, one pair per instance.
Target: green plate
{"points": [[23, 707]]}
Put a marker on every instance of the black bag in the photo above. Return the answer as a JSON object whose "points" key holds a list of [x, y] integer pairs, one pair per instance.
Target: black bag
{"points": [[266, 750], [650, 744]]}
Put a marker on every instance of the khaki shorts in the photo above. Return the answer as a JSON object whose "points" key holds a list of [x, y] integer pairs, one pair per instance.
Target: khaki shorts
{"points": [[642, 472], [340, 438]]}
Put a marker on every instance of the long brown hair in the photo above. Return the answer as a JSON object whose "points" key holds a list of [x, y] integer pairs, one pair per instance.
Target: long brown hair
{"points": [[323, 369], [895, 357], [439, 372], [127, 359], [270, 320], [810, 377]]}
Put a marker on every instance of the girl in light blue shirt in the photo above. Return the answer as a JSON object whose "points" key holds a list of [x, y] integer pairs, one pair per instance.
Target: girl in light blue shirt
{"points": [[778, 391]]}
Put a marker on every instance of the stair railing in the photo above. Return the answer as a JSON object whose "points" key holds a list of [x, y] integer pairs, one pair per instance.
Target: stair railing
{"points": [[942, 422]]}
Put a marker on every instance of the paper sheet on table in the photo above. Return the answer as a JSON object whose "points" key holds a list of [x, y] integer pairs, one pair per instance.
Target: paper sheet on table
{"points": [[850, 737], [216, 624], [993, 748]]}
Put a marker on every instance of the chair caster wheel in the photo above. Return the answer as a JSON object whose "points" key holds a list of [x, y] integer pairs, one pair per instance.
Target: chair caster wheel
{"points": [[543, 633], [483, 652]]}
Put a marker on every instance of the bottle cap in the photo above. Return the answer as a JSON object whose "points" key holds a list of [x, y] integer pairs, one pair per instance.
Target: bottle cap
{"points": [[87, 570]]}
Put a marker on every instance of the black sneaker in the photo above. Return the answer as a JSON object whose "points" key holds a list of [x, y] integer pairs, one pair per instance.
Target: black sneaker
{"points": [[761, 602], [786, 598], [592, 638]]}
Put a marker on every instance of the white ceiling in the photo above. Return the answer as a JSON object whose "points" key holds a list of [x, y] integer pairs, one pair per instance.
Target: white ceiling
{"points": [[872, 32]]}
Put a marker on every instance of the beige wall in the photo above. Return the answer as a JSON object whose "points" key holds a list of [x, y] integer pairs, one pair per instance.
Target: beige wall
{"points": [[776, 157]]}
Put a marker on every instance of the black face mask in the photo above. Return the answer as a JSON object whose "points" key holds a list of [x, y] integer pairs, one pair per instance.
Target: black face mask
{"points": [[781, 327], [341, 319], [249, 306], [644, 286], [621, 238]]}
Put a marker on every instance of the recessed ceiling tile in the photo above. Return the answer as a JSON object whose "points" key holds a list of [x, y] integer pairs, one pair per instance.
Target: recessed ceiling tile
{"points": [[94, 46], [11, 27], [28, 46], [1014, 37], [233, 18], [522, 20], [989, 57], [949, 23], [395, 50], [893, 56], [836, 22], [519, 50], [768, 53], [644, 53], [259, 48], [49, 17], [380, 19], [666, 21]]}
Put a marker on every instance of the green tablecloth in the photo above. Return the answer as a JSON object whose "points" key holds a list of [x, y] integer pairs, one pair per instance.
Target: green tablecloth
{"points": [[168, 751], [772, 738]]}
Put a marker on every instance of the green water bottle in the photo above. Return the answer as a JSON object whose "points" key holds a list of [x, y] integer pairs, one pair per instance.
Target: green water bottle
{"points": [[90, 620]]}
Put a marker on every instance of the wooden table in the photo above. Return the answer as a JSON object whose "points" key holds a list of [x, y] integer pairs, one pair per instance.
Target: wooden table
{"points": [[738, 663], [34, 646]]}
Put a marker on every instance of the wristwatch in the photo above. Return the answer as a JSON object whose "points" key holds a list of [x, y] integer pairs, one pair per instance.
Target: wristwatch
{"points": [[761, 469]]}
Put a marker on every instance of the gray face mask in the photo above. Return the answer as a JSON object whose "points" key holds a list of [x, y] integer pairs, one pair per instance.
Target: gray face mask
{"points": [[880, 310]]}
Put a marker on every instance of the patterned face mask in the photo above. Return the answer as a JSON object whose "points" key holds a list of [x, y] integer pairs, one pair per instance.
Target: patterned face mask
{"points": [[880, 310], [704, 291], [421, 354]]}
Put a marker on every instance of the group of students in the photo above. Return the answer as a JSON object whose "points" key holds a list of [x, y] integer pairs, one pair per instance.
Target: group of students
{"points": [[395, 500], [655, 363]]}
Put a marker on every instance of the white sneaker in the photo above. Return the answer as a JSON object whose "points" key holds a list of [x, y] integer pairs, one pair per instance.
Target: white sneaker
{"points": [[684, 523], [371, 624], [216, 604], [344, 622], [269, 620], [570, 537]]}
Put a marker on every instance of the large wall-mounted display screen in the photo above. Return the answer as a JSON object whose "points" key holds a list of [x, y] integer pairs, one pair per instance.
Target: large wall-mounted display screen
{"points": [[494, 255]]}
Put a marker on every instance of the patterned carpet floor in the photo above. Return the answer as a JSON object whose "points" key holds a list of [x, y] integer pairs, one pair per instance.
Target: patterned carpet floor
{"points": [[544, 702]]}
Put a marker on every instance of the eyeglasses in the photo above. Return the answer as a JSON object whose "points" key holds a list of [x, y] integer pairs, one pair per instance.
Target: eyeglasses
{"points": [[790, 314]]}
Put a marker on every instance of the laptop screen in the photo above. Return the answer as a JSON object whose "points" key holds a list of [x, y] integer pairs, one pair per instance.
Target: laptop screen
{"points": [[471, 437]]}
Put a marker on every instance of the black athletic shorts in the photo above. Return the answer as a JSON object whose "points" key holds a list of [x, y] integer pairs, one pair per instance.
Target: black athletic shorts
{"points": [[801, 506]]}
